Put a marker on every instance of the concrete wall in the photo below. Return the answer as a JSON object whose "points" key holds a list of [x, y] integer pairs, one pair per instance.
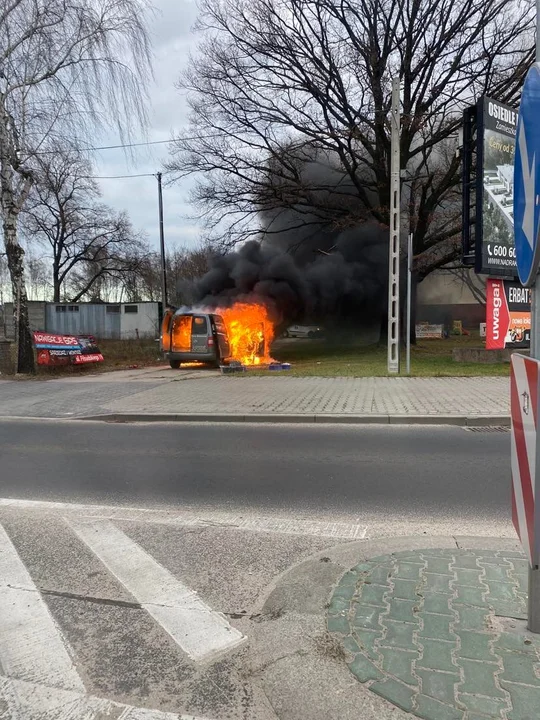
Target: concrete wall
{"points": [[144, 323], [36, 314]]}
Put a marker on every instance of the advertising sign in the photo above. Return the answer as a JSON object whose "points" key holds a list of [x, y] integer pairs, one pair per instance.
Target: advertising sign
{"points": [[429, 332], [496, 255], [508, 315], [65, 349], [489, 144]]}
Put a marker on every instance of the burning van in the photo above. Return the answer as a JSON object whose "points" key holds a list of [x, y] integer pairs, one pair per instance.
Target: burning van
{"points": [[194, 337], [241, 332]]}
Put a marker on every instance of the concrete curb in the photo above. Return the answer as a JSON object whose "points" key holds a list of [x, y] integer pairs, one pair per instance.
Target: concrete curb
{"points": [[369, 419]]}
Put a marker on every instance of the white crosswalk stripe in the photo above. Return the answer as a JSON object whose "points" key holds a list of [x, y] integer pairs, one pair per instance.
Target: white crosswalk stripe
{"points": [[39, 679], [31, 645], [202, 633]]}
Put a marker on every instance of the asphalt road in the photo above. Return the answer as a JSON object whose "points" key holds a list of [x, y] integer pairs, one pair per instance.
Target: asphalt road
{"points": [[322, 470]]}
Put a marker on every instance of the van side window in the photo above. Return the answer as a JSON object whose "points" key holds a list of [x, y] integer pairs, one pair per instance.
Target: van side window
{"points": [[199, 325]]}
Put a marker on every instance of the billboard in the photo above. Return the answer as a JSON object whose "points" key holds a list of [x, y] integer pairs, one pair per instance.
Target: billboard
{"points": [[508, 315], [488, 183], [65, 349]]}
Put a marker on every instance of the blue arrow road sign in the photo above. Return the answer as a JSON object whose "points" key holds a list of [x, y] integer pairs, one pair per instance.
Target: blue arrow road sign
{"points": [[527, 180]]}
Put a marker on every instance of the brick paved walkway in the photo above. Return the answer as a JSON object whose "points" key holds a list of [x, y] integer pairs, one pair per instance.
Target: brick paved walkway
{"points": [[426, 631], [184, 392]]}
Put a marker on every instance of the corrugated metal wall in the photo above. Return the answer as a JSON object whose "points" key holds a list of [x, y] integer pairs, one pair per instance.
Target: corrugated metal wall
{"points": [[84, 319]]}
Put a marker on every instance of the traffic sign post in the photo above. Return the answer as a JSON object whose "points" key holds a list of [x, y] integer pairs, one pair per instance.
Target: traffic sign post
{"points": [[526, 232]]}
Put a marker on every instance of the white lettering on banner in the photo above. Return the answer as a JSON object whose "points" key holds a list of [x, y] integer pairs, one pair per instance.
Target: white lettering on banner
{"points": [[497, 302], [501, 113], [519, 295]]}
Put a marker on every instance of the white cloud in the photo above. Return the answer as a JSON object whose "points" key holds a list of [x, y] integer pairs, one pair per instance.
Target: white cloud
{"points": [[172, 43]]}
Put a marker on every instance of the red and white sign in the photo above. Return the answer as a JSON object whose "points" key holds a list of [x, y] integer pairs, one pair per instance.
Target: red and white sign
{"points": [[524, 391], [508, 315], [95, 357]]}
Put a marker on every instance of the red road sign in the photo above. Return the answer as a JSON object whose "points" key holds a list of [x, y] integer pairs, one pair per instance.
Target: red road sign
{"points": [[524, 395]]}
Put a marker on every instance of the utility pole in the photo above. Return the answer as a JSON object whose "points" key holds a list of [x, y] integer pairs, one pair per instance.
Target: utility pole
{"points": [[393, 255], [409, 290], [162, 247]]}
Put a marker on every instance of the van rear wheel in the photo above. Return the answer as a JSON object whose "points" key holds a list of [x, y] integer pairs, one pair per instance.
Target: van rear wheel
{"points": [[175, 364]]}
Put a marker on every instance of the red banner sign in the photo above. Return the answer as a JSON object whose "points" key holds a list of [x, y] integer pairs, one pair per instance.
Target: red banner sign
{"points": [[66, 349]]}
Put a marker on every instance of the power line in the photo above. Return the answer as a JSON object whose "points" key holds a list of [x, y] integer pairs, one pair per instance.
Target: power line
{"points": [[119, 177], [132, 145]]}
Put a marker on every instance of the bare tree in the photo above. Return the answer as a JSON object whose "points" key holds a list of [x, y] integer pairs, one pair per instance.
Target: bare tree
{"points": [[276, 81], [67, 68], [64, 212]]}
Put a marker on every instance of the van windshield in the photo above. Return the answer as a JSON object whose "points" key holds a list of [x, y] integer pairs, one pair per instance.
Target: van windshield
{"points": [[199, 325]]}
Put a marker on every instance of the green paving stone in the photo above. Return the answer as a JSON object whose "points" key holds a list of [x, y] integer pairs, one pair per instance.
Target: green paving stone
{"points": [[489, 706], [486, 560], [350, 645], [430, 709], [350, 578], [469, 596], [344, 592], [399, 635], [520, 565], [366, 641], [516, 643], [465, 561], [476, 646], [518, 667], [403, 610], [479, 678], [436, 626], [384, 560], [409, 555], [475, 716], [408, 571], [405, 589], [338, 606], [437, 655], [399, 664], [438, 685], [363, 567], [379, 575], [437, 603], [437, 583], [512, 610], [395, 692], [511, 554], [364, 669], [338, 624], [439, 552], [469, 577], [441, 566], [367, 617], [471, 618], [501, 592], [525, 701], [496, 573], [374, 595]]}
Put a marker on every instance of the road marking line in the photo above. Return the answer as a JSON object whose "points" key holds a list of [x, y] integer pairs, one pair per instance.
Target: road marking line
{"points": [[31, 644], [201, 632], [29, 701], [254, 523]]}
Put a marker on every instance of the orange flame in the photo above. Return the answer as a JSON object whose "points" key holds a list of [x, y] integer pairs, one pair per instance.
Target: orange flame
{"points": [[250, 332]]}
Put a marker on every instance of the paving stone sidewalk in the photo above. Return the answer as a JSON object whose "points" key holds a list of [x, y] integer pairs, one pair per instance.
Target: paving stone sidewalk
{"points": [[441, 633], [170, 392]]}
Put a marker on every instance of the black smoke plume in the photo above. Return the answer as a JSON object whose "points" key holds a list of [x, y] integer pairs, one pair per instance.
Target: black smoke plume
{"points": [[303, 268]]}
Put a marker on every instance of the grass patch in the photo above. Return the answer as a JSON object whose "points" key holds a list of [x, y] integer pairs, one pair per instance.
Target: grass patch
{"points": [[429, 358]]}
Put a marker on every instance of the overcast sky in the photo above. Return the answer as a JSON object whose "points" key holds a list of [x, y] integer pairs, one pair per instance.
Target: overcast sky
{"points": [[172, 42]]}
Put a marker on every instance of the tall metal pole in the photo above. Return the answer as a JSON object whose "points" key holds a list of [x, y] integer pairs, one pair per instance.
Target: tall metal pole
{"points": [[534, 571], [162, 247], [409, 286], [393, 256]]}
